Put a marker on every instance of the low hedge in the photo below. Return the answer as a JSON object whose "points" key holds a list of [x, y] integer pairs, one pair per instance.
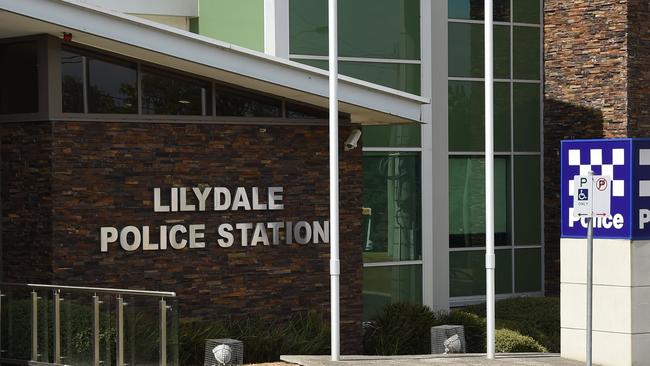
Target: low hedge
{"points": [[511, 341]]}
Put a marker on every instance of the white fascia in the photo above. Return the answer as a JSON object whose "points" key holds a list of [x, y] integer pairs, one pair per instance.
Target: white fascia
{"points": [[178, 8], [366, 102]]}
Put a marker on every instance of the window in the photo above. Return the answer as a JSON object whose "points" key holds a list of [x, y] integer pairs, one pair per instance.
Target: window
{"points": [[112, 86], [18, 78], [165, 93], [233, 102], [72, 78]]}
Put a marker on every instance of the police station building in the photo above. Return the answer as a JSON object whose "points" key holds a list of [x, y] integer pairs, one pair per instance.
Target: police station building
{"points": [[181, 145]]}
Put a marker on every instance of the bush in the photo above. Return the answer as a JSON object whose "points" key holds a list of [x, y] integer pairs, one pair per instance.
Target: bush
{"points": [[474, 328], [536, 317], [510, 341], [264, 340], [400, 329]]}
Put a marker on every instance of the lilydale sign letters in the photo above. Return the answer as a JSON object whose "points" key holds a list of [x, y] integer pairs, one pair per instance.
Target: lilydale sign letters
{"points": [[193, 236]]}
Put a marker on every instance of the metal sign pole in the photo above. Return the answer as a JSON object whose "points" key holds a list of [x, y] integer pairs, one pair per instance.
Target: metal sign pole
{"points": [[590, 272]]}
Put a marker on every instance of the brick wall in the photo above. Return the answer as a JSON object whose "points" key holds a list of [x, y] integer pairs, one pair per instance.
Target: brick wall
{"points": [[103, 174], [597, 72]]}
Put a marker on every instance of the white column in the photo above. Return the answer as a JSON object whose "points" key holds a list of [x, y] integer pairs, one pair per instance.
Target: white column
{"points": [[276, 28]]}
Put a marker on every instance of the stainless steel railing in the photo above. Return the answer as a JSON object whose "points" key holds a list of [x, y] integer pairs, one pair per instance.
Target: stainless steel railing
{"points": [[49, 331]]}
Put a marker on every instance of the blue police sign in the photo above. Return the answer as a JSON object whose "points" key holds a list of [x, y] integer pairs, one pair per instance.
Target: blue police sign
{"points": [[627, 162]]}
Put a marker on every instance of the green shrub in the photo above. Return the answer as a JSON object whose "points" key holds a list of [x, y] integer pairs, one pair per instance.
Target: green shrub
{"points": [[510, 341], [474, 328], [399, 329], [264, 340], [536, 317]]}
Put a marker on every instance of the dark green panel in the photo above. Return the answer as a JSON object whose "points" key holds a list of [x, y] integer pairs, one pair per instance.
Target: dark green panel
{"points": [[526, 53], [466, 50], [404, 77], [528, 270], [473, 9], [387, 285], [466, 116], [525, 11], [467, 201], [392, 136], [528, 212], [467, 272], [526, 111], [367, 28], [392, 202]]}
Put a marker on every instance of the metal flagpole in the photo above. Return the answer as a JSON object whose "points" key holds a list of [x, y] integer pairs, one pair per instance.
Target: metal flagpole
{"points": [[334, 180], [489, 179]]}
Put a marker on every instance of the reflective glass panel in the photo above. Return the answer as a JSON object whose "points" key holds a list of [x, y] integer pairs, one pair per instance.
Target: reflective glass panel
{"points": [[528, 270], [165, 93], [407, 135], [18, 78], [295, 110], [528, 211], [233, 102], [526, 112], [112, 86], [72, 79], [526, 53], [467, 201], [466, 116], [387, 285], [525, 11], [467, 272], [404, 77], [473, 9], [391, 201], [466, 50], [367, 28]]}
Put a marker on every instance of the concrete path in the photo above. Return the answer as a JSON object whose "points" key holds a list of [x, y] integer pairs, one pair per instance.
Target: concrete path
{"points": [[519, 359]]}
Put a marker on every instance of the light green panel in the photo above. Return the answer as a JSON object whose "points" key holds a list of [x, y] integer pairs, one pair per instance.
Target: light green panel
{"points": [[367, 28], [392, 136], [404, 77], [467, 272], [387, 285], [391, 194], [240, 22], [467, 201], [528, 210], [466, 116]]}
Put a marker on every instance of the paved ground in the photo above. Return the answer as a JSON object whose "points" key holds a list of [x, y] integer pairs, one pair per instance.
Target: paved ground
{"points": [[520, 359]]}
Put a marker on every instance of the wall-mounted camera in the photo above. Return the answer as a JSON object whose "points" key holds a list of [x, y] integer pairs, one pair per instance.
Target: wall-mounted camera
{"points": [[352, 140]]}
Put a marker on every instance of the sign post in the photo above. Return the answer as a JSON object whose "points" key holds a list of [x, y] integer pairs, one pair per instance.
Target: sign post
{"points": [[591, 198]]}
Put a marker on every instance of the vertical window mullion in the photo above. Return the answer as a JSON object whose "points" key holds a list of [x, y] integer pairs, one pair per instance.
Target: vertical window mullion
{"points": [[138, 90], [84, 64], [512, 147]]}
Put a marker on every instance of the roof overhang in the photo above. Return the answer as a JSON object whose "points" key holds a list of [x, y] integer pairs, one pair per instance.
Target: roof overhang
{"points": [[135, 37]]}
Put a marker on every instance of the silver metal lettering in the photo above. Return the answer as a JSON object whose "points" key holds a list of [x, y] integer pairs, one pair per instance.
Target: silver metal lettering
{"points": [[275, 227], [221, 205], [172, 237], [157, 207], [184, 206], [196, 234], [321, 232], [202, 196], [145, 240], [227, 239], [240, 200], [275, 198], [107, 235], [260, 235], [256, 200], [244, 227], [124, 238], [298, 232]]}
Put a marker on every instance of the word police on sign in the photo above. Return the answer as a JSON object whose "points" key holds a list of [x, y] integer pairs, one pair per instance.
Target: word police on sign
{"points": [[592, 195]]}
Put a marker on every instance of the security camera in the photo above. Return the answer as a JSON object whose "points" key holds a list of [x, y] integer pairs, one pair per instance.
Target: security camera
{"points": [[352, 140]]}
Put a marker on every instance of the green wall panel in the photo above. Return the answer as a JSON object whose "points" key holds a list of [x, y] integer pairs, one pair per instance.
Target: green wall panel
{"points": [[234, 21]]}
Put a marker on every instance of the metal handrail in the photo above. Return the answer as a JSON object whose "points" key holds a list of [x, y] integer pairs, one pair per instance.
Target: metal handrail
{"points": [[103, 290]]}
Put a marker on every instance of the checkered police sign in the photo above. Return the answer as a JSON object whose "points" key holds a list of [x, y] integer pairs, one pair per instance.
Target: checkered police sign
{"points": [[627, 162]]}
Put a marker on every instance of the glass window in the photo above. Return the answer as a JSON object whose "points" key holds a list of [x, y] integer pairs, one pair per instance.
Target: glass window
{"points": [[467, 201], [473, 9], [526, 53], [295, 110], [525, 11], [404, 77], [392, 136], [467, 272], [386, 285], [466, 51], [526, 111], [18, 78], [165, 93], [466, 116], [112, 86], [233, 102], [528, 270], [391, 201], [528, 212], [72, 79], [367, 28]]}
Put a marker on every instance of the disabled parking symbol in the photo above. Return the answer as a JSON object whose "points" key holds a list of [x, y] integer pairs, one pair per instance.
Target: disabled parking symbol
{"points": [[583, 194]]}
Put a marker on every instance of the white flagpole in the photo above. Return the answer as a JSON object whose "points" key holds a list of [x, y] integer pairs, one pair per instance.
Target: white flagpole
{"points": [[334, 181], [489, 179]]}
